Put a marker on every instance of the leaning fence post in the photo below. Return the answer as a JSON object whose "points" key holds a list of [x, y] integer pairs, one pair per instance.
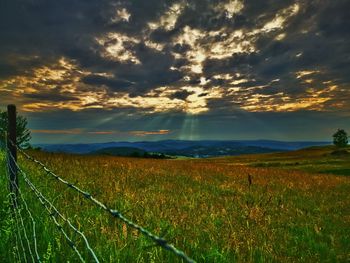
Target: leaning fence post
{"points": [[11, 144]]}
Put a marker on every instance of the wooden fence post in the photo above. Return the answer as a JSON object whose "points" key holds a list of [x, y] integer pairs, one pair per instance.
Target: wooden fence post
{"points": [[11, 144]]}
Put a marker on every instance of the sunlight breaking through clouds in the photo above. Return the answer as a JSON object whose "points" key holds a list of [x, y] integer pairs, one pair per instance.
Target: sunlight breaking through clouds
{"points": [[64, 79], [228, 45], [121, 15], [231, 8], [77, 131], [175, 65], [168, 20], [145, 133], [281, 18], [186, 57], [303, 73], [195, 103], [114, 45]]}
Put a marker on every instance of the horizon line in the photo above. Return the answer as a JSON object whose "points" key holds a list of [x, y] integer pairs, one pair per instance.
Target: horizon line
{"points": [[188, 140]]}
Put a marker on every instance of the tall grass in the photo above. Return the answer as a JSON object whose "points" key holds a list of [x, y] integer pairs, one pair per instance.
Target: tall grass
{"points": [[207, 208]]}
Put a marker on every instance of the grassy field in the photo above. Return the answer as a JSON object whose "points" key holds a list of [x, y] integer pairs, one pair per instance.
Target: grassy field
{"points": [[296, 209], [324, 159]]}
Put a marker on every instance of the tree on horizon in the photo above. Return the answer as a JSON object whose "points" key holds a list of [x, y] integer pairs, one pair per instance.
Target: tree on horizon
{"points": [[22, 132], [340, 138]]}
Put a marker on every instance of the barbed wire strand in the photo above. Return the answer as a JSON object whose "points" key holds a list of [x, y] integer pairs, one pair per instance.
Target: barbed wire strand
{"points": [[59, 226], [16, 253], [40, 196], [20, 235], [117, 214], [64, 219], [30, 216], [16, 233], [16, 221], [19, 213], [17, 236]]}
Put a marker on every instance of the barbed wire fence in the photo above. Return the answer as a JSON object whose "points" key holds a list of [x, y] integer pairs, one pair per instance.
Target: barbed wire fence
{"points": [[24, 252], [53, 213], [18, 210]]}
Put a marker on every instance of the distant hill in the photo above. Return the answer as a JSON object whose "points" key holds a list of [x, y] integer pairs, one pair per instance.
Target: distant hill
{"points": [[120, 151], [129, 152], [203, 148], [194, 151], [211, 151], [316, 159]]}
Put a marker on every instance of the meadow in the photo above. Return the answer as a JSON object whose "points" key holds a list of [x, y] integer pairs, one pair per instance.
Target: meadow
{"points": [[317, 159], [287, 207]]}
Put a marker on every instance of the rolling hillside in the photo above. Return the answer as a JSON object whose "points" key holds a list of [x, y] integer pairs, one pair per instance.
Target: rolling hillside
{"points": [[317, 159], [252, 208], [204, 148]]}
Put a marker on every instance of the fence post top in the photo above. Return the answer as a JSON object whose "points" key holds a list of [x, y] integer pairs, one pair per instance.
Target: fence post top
{"points": [[11, 106]]}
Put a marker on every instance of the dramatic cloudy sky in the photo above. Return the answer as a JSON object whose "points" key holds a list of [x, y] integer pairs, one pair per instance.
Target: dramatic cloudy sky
{"points": [[103, 70]]}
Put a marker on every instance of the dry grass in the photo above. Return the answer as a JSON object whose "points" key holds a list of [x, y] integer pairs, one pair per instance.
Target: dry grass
{"points": [[207, 207]]}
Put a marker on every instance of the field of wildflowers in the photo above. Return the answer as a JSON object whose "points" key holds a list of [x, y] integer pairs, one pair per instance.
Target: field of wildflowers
{"points": [[216, 210]]}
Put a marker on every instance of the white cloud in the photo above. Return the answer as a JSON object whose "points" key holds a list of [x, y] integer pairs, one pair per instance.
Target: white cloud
{"points": [[121, 15], [114, 47], [168, 20], [231, 8], [280, 18]]}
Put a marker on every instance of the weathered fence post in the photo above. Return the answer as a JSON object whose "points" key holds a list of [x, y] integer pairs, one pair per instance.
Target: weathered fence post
{"points": [[11, 144]]}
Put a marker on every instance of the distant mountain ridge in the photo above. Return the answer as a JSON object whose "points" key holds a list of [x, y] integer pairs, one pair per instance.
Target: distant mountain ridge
{"points": [[120, 151], [203, 148], [129, 152]]}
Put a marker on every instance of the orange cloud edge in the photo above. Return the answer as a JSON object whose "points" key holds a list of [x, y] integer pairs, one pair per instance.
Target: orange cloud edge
{"points": [[81, 131]]}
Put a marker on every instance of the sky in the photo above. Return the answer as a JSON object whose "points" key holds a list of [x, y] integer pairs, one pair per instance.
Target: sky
{"points": [[85, 71]]}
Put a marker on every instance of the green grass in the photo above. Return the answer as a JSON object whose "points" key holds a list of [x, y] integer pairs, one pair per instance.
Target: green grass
{"points": [[313, 159], [206, 207]]}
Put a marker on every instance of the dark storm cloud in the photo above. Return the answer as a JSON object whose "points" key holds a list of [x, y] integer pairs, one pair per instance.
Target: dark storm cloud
{"points": [[7, 70], [48, 30], [50, 97], [36, 33], [162, 35], [308, 33], [112, 83], [54, 95], [153, 72], [203, 14], [141, 12], [181, 95]]}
